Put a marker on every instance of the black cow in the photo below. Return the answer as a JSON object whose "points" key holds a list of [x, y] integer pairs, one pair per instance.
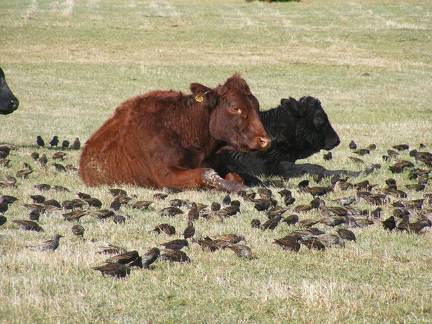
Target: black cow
{"points": [[8, 102], [298, 129]]}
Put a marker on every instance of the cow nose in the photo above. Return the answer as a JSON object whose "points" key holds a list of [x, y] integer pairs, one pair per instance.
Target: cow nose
{"points": [[13, 104], [263, 142]]}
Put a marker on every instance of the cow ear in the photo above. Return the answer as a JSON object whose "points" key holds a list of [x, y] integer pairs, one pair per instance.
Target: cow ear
{"points": [[204, 94], [293, 106]]}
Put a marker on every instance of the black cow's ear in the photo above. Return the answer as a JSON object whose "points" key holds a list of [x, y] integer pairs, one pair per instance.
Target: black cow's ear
{"points": [[203, 94], [294, 106]]}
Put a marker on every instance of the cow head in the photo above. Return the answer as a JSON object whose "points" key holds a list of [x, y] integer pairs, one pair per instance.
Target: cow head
{"points": [[313, 130], [234, 115], [8, 102]]}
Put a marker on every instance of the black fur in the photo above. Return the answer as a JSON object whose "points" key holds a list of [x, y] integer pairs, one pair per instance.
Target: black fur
{"points": [[8, 102], [298, 129]]}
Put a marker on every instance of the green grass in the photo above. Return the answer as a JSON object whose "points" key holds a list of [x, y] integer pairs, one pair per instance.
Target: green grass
{"points": [[72, 62]]}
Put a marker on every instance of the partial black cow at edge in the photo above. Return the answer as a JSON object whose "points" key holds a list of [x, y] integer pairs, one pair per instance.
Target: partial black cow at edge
{"points": [[298, 129], [8, 102]]}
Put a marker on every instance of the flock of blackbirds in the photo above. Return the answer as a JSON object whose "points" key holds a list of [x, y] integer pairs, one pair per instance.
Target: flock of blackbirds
{"points": [[277, 207]]}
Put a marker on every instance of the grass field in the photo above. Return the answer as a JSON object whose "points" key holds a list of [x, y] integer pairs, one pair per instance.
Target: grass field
{"points": [[72, 62]]}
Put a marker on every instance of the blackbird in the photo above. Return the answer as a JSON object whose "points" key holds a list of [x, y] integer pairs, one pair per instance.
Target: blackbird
{"points": [[389, 223], [119, 219], [39, 141], [93, 202], [242, 251], [193, 213], [175, 244], [289, 243], [112, 249], [43, 160], [28, 225], [52, 202], [174, 256], [78, 230], [376, 213], [418, 226], [54, 141], [189, 231], [34, 214], [272, 223], [2, 220], [230, 238], [264, 204], [59, 167], [401, 147], [312, 242], [160, 196], [50, 245], [276, 211], [215, 206], [166, 228], [330, 240], [226, 200], [328, 156], [35, 156], [39, 199], [150, 257], [65, 144], [346, 234], [178, 202], [76, 145], [142, 204], [291, 219], [255, 223], [361, 152], [352, 145], [130, 258], [116, 270], [59, 155], [170, 212], [117, 192]]}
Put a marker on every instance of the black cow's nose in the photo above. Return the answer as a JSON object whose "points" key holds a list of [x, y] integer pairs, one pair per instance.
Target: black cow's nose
{"points": [[13, 104]]}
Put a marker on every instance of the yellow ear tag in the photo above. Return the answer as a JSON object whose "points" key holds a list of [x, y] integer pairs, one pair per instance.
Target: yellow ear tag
{"points": [[199, 98]]}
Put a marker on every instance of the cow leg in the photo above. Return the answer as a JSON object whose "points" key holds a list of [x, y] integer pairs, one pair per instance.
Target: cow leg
{"points": [[199, 178]]}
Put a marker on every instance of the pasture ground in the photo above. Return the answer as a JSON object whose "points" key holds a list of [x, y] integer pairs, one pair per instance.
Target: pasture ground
{"points": [[72, 62]]}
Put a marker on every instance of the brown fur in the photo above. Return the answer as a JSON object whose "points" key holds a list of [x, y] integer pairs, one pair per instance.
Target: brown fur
{"points": [[162, 138]]}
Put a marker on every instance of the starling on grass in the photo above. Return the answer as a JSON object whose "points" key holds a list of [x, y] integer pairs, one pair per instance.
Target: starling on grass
{"points": [[346, 234], [117, 192], [291, 219], [142, 204], [43, 160], [131, 258], [170, 212], [113, 269], [227, 200], [255, 223], [215, 206], [78, 230], [175, 244], [174, 256], [119, 219], [50, 245], [28, 225], [54, 141], [150, 257], [230, 238], [389, 223], [189, 231], [242, 251], [35, 156], [193, 213], [352, 145], [34, 214], [328, 156], [76, 145], [288, 242], [65, 144], [272, 223], [166, 228], [39, 141], [112, 249]]}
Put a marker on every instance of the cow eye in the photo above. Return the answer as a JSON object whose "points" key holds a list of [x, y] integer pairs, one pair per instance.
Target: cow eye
{"points": [[319, 121], [235, 110]]}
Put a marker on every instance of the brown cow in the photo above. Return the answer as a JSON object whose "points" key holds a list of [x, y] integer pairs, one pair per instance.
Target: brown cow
{"points": [[162, 138]]}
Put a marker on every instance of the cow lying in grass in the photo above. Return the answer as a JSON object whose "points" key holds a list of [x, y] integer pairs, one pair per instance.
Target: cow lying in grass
{"points": [[8, 102], [163, 138], [298, 129]]}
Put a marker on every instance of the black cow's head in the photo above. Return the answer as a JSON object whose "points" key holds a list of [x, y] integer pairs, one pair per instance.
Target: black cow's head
{"points": [[307, 128], [8, 102]]}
